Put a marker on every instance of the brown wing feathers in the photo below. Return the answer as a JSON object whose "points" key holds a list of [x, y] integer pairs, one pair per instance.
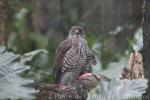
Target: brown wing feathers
{"points": [[60, 52]]}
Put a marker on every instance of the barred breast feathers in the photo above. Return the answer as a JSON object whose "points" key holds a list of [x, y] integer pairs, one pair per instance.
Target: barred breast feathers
{"points": [[77, 57]]}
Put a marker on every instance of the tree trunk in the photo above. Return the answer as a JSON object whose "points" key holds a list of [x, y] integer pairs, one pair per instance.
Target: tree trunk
{"points": [[39, 19], [46, 15], [146, 38], [3, 21], [62, 17], [79, 10]]}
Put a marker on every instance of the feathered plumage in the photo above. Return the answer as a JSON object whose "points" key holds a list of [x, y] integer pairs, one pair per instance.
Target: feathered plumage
{"points": [[73, 57]]}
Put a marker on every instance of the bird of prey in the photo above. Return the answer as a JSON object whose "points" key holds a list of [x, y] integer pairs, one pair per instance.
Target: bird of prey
{"points": [[73, 57]]}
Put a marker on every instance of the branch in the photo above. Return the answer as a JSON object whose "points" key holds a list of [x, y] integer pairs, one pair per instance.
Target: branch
{"points": [[134, 70], [84, 84]]}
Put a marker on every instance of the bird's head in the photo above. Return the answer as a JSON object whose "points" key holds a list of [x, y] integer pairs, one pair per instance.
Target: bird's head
{"points": [[77, 31]]}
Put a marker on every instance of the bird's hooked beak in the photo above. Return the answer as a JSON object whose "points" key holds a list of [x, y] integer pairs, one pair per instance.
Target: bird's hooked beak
{"points": [[77, 33]]}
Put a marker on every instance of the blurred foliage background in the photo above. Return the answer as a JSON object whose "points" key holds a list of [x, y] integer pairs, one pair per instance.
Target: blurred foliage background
{"points": [[42, 24], [36, 24]]}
